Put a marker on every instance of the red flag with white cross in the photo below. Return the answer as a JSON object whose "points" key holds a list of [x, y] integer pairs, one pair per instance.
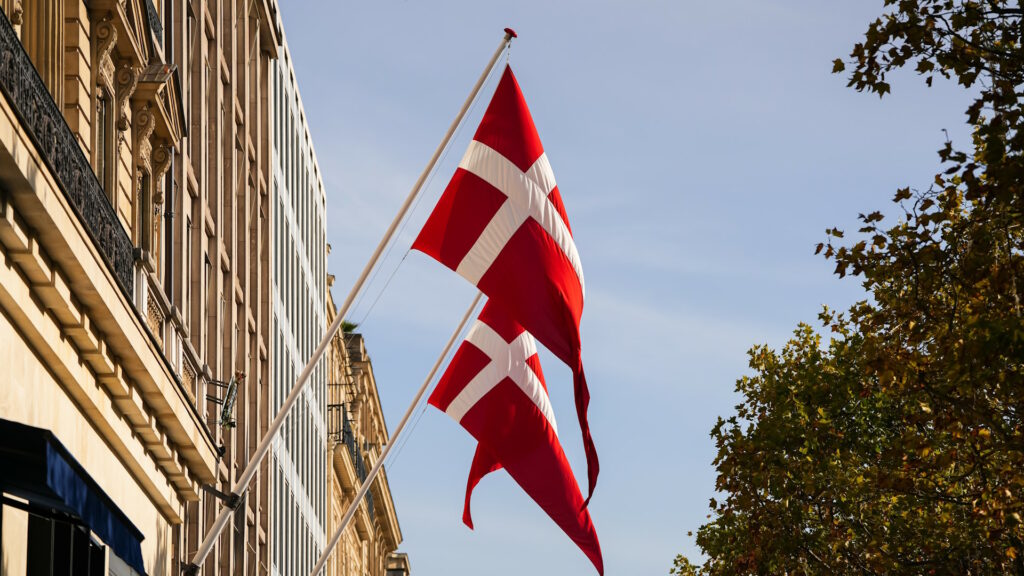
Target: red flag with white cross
{"points": [[501, 224], [494, 387]]}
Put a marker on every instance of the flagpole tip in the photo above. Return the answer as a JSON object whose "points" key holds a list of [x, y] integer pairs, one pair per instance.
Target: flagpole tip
{"points": [[510, 33]]}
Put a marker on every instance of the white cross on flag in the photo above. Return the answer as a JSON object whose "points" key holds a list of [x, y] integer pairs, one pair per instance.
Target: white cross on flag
{"points": [[501, 225], [495, 389]]}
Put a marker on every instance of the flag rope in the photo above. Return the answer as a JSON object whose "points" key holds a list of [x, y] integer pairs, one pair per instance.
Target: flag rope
{"points": [[372, 475], [242, 483], [392, 462], [412, 212]]}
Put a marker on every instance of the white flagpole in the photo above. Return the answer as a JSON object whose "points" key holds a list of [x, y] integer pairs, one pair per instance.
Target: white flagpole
{"points": [[242, 484], [391, 442]]}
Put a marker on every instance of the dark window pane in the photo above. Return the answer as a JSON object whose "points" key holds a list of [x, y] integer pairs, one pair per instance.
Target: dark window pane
{"points": [[39, 554], [61, 548], [100, 146], [80, 553]]}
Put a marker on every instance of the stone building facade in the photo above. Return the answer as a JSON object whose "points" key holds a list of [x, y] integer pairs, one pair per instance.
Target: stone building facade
{"points": [[357, 434], [161, 212], [134, 308]]}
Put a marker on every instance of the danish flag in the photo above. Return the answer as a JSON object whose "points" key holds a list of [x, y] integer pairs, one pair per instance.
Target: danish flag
{"points": [[495, 389], [501, 225]]}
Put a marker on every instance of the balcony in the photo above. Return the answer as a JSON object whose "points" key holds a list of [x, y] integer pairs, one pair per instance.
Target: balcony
{"points": [[43, 121], [339, 431]]}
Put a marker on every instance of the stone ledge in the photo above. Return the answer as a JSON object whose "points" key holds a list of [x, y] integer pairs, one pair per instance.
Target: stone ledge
{"points": [[43, 334]]}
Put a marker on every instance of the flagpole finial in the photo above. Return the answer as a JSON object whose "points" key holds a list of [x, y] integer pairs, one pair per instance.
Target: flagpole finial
{"points": [[510, 33]]}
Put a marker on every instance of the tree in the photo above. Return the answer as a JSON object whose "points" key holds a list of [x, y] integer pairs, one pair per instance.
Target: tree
{"points": [[896, 444]]}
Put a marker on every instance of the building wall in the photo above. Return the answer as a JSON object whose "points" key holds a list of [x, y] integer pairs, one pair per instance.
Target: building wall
{"points": [[298, 236], [357, 434], [134, 256], [220, 245], [162, 233], [83, 362], [34, 396]]}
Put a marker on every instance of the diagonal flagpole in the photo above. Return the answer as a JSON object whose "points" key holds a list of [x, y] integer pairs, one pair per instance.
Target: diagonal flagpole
{"points": [[242, 484], [391, 442]]}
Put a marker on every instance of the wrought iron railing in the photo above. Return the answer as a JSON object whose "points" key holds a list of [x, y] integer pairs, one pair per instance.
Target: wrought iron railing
{"points": [[154, 22], [336, 416], [339, 430], [56, 143]]}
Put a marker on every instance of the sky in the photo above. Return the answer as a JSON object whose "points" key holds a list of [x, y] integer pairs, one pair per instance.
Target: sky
{"points": [[701, 150]]}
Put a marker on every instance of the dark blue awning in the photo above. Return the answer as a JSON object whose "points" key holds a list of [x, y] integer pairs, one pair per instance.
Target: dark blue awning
{"points": [[36, 466]]}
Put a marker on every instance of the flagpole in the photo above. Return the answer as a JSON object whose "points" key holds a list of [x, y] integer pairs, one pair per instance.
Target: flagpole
{"points": [[242, 484], [365, 487]]}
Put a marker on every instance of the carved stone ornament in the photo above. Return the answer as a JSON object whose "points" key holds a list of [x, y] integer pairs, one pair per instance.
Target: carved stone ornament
{"points": [[106, 36], [154, 318], [144, 125], [17, 13], [161, 162], [188, 377], [126, 80]]}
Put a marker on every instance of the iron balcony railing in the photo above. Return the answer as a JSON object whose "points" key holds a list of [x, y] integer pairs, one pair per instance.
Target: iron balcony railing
{"points": [[45, 125], [336, 415], [339, 430]]}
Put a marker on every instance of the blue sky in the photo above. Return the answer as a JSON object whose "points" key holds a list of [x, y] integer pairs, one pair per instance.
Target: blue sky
{"points": [[701, 149]]}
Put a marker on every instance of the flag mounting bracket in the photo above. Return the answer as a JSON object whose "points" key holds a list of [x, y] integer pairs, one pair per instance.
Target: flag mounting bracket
{"points": [[227, 402], [229, 500]]}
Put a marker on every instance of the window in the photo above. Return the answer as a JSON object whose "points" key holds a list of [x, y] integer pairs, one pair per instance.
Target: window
{"points": [[208, 295], [56, 547], [187, 252], [168, 17], [276, 530], [103, 146], [40, 21], [143, 226], [190, 47], [170, 190]]}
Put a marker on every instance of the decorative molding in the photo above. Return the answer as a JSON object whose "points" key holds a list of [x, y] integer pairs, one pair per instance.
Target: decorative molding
{"points": [[17, 13], [144, 124], [58, 147], [158, 84], [126, 80], [155, 318], [137, 185], [161, 158], [106, 37], [188, 377]]}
